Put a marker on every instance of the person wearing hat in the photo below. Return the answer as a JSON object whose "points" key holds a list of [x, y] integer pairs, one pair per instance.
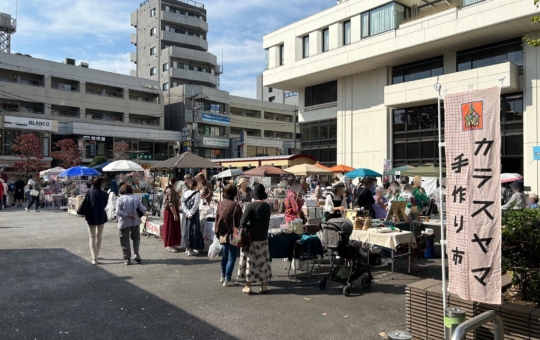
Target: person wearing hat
{"points": [[336, 203], [244, 195], [205, 188], [255, 265], [532, 201], [518, 200]]}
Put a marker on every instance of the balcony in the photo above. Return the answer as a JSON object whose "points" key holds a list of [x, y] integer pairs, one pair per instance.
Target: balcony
{"points": [[133, 57], [186, 40], [134, 39], [189, 54], [421, 91], [197, 76], [184, 20]]}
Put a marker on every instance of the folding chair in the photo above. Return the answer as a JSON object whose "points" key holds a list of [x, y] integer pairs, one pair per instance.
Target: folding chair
{"points": [[313, 261]]}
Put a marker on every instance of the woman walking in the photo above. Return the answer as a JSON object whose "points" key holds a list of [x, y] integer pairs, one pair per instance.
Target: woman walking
{"points": [[191, 224], [19, 192], [171, 217], [129, 222], [228, 216], [96, 217], [255, 260], [518, 200]]}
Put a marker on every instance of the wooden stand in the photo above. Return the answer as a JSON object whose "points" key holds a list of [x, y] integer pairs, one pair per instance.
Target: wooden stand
{"points": [[397, 209]]}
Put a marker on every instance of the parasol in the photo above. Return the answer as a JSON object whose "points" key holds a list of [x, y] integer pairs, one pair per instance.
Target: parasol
{"points": [[229, 173], [341, 168], [186, 160], [77, 171], [425, 170], [361, 173], [508, 178], [122, 166], [307, 170], [398, 170], [266, 171]]}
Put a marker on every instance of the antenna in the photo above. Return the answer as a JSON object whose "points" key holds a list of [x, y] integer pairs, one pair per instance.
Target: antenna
{"points": [[8, 26]]}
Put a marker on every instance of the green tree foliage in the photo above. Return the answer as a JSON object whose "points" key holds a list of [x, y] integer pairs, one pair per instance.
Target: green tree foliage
{"points": [[521, 251], [534, 20], [98, 160]]}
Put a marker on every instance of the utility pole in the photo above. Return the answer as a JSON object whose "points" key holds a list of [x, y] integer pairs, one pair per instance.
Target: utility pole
{"points": [[195, 113], [294, 134]]}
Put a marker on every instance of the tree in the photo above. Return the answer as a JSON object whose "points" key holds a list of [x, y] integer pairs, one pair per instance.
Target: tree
{"points": [[68, 152], [28, 148], [98, 160], [119, 150], [534, 20]]}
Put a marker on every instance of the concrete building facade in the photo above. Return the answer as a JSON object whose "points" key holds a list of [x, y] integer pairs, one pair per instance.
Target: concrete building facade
{"points": [[270, 94], [370, 67], [172, 46], [95, 108]]}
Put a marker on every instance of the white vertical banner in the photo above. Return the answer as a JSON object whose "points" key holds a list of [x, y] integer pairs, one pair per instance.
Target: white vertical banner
{"points": [[473, 163]]}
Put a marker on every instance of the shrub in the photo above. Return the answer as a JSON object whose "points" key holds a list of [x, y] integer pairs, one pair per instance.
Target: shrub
{"points": [[98, 160], [521, 251]]}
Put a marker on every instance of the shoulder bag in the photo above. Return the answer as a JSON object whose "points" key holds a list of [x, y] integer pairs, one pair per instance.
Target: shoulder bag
{"points": [[241, 236], [83, 208]]}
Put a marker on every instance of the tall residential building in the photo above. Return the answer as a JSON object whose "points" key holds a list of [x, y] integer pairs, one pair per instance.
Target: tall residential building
{"points": [[365, 74], [171, 44], [270, 94]]}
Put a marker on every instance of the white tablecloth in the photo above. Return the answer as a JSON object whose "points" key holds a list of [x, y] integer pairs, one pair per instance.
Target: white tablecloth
{"points": [[386, 240]]}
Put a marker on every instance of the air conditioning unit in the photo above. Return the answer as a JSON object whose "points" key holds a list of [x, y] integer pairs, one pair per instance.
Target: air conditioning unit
{"points": [[83, 64], [69, 61]]}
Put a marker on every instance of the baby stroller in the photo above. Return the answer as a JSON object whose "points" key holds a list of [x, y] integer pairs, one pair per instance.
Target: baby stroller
{"points": [[351, 265]]}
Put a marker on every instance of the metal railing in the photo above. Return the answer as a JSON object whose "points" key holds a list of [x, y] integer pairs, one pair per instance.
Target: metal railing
{"points": [[490, 316], [189, 2]]}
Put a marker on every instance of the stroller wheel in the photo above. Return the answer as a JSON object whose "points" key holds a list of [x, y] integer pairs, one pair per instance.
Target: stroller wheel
{"points": [[347, 291], [322, 285], [366, 282]]}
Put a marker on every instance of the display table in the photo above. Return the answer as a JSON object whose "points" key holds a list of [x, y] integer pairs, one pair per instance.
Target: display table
{"points": [[281, 246], [387, 240]]}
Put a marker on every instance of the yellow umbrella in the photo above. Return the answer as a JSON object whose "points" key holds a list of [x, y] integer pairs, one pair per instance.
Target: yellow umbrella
{"points": [[307, 170]]}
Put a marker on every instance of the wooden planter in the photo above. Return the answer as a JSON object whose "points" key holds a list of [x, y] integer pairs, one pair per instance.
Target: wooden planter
{"points": [[424, 314]]}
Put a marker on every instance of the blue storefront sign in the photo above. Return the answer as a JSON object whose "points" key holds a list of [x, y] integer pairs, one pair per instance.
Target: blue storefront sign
{"points": [[536, 153], [216, 119]]}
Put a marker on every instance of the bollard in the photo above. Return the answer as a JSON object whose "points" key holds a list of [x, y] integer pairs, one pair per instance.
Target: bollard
{"points": [[399, 335], [453, 317]]}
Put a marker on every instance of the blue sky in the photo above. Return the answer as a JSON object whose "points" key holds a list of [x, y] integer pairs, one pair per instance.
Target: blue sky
{"points": [[98, 31]]}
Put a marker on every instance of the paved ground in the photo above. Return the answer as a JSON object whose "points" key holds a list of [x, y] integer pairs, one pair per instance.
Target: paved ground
{"points": [[49, 290]]}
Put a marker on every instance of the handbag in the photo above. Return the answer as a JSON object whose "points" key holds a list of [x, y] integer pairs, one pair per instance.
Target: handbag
{"points": [[34, 193], [83, 208], [241, 236]]}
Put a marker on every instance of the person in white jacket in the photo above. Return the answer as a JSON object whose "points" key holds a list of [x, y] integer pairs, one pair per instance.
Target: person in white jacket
{"points": [[192, 237]]}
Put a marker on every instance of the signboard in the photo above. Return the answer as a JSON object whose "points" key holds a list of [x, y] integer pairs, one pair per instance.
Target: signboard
{"points": [[143, 156], [215, 142], [216, 119], [212, 107], [242, 136], [28, 123], [536, 153], [473, 163]]}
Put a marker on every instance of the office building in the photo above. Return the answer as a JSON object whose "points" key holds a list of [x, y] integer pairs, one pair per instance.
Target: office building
{"points": [[365, 74], [270, 94], [95, 108]]}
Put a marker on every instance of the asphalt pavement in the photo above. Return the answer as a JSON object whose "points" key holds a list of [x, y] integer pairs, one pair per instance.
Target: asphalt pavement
{"points": [[50, 290]]}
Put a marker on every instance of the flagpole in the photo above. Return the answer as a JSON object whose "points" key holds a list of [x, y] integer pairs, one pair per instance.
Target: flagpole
{"points": [[443, 239]]}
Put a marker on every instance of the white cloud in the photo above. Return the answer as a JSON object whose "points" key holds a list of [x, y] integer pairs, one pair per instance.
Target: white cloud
{"points": [[118, 63]]}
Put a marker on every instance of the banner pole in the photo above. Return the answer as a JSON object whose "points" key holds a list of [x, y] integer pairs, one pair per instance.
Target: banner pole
{"points": [[441, 218]]}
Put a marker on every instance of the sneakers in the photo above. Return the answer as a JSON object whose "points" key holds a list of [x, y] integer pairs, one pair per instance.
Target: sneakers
{"points": [[172, 250], [246, 290], [264, 289], [137, 258], [94, 262], [127, 262], [191, 253], [230, 284], [26, 209], [222, 279]]}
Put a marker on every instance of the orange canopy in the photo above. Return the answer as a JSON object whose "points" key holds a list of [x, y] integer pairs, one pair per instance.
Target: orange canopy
{"points": [[323, 167], [341, 168]]}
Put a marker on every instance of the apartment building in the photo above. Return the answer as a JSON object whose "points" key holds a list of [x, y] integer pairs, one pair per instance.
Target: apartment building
{"points": [[95, 108], [172, 46], [365, 72], [270, 94]]}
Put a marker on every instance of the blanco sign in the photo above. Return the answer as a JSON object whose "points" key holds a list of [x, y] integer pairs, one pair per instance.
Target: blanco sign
{"points": [[215, 142], [28, 123]]}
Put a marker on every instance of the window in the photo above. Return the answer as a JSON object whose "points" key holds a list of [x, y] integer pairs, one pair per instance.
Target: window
{"points": [[165, 86], [152, 12], [347, 32], [470, 2], [417, 70], [321, 94], [153, 31], [305, 46], [291, 94], [384, 18], [153, 51], [281, 55], [326, 40], [105, 115], [509, 50], [143, 120], [165, 66], [153, 71], [267, 59], [318, 139], [270, 89], [271, 99]]}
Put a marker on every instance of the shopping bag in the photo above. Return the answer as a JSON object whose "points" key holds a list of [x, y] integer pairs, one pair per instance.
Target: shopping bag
{"points": [[215, 248]]}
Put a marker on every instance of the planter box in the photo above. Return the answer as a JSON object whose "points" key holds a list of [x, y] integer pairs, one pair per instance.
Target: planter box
{"points": [[424, 314]]}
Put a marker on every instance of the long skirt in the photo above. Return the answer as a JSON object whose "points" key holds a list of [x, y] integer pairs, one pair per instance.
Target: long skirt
{"points": [[255, 263], [172, 236], [191, 229]]}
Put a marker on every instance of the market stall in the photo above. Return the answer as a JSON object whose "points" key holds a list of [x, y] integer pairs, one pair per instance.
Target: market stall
{"points": [[77, 188]]}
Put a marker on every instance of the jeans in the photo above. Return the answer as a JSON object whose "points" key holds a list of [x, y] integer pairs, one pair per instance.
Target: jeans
{"points": [[135, 234], [32, 200], [95, 232], [5, 201], [230, 253]]}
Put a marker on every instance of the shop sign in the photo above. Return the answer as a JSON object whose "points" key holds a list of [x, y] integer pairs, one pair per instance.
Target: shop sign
{"points": [[216, 119], [215, 142], [28, 123], [151, 87], [536, 153]]}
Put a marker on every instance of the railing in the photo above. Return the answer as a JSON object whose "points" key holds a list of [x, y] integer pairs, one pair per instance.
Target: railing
{"points": [[461, 331], [189, 2], [65, 87]]}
